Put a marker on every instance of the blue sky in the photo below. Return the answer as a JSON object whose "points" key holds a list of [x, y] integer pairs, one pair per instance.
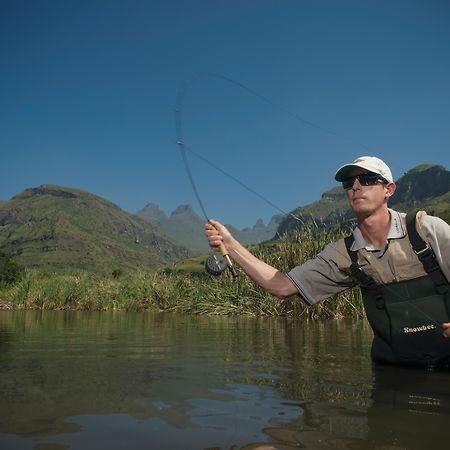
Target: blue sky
{"points": [[88, 90]]}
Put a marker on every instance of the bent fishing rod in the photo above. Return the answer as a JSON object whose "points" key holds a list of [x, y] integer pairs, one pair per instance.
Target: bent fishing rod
{"points": [[214, 264]]}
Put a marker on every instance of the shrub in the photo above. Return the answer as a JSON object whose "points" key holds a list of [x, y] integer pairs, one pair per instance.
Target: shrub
{"points": [[10, 271]]}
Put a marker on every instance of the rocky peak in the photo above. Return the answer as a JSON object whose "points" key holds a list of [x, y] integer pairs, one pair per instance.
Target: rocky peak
{"points": [[183, 209], [152, 213], [259, 224]]}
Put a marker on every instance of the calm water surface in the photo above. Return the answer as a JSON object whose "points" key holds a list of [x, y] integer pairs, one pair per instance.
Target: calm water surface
{"points": [[129, 381]]}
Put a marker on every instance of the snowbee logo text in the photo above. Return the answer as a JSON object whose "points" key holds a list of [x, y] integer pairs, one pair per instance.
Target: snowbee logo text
{"points": [[407, 330]]}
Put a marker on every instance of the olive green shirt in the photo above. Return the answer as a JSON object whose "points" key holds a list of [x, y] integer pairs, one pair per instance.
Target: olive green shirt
{"points": [[329, 272]]}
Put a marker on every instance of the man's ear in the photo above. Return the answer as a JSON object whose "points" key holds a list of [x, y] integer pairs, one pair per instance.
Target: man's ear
{"points": [[390, 189]]}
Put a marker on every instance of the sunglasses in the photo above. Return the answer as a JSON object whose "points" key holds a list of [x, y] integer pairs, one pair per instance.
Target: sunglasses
{"points": [[365, 179]]}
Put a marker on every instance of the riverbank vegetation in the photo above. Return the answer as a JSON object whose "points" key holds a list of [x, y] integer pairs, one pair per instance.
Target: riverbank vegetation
{"points": [[184, 290]]}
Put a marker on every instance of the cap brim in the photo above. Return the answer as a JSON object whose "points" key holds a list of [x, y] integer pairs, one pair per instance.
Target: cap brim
{"points": [[344, 172]]}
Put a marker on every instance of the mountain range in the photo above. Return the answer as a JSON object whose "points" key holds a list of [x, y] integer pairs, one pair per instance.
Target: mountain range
{"points": [[426, 187], [185, 227], [54, 227]]}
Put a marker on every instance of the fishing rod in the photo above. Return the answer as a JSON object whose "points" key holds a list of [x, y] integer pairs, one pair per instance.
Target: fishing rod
{"points": [[214, 264]]}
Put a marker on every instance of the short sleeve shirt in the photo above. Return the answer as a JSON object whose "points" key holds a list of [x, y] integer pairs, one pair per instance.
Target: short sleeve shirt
{"points": [[328, 273]]}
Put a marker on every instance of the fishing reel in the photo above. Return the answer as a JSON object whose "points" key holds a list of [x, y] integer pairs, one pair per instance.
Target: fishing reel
{"points": [[216, 264]]}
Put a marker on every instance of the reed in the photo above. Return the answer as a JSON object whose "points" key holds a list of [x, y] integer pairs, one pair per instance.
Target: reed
{"points": [[186, 292]]}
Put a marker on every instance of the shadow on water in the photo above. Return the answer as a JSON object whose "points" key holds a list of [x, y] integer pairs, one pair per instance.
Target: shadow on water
{"points": [[73, 380]]}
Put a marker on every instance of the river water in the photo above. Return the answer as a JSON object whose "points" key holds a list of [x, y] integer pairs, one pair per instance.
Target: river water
{"points": [[132, 381]]}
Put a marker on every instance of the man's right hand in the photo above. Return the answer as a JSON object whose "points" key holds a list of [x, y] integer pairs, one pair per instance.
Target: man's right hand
{"points": [[216, 234]]}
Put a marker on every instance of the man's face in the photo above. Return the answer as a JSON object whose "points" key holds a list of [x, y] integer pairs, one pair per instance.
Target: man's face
{"points": [[364, 200]]}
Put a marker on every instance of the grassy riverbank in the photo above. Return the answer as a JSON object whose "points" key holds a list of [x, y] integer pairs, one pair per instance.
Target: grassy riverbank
{"points": [[183, 291]]}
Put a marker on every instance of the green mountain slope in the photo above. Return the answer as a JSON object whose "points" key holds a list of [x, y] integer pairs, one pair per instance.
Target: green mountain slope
{"points": [[426, 187], [55, 227]]}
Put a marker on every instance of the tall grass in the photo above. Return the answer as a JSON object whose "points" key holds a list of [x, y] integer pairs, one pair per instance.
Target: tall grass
{"points": [[186, 292]]}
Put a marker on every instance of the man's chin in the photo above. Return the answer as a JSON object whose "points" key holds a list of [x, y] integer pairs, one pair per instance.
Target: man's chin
{"points": [[360, 211]]}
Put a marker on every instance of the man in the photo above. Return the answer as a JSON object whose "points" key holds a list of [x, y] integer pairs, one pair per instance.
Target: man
{"points": [[407, 301]]}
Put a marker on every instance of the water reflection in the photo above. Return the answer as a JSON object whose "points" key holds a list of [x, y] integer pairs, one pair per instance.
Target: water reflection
{"points": [[411, 408], [159, 381]]}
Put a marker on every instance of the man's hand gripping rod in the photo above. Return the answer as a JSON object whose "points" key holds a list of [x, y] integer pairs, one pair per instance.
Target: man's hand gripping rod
{"points": [[216, 264]]}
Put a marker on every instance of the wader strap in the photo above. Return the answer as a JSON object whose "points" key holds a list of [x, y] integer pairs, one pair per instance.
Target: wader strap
{"points": [[425, 255], [364, 280]]}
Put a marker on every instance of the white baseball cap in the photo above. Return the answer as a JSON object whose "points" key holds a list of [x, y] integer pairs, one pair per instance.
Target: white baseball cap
{"points": [[370, 163]]}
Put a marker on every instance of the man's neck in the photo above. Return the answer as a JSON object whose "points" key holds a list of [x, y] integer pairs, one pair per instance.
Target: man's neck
{"points": [[375, 227]]}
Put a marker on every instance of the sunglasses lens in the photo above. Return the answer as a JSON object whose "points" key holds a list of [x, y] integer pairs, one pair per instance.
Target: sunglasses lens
{"points": [[348, 183], [368, 180], [364, 179]]}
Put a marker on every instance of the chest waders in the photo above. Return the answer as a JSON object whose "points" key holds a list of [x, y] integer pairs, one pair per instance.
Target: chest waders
{"points": [[406, 316]]}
